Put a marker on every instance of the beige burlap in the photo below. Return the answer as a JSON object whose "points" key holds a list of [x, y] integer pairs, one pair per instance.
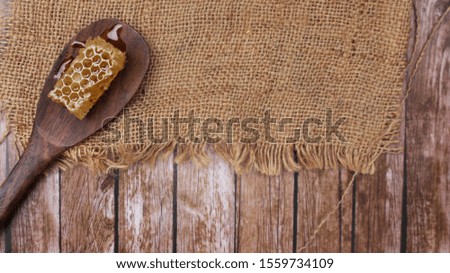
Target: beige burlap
{"points": [[310, 60]]}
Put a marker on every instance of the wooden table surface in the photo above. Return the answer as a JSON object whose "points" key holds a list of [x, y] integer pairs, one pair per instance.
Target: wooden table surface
{"points": [[404, 207]]}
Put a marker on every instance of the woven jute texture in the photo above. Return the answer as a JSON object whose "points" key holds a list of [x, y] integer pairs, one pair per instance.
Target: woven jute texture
{"points": [[312, 63]]}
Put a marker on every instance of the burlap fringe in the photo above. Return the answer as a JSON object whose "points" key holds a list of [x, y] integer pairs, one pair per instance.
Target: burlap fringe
{"points": [[266, 158]]}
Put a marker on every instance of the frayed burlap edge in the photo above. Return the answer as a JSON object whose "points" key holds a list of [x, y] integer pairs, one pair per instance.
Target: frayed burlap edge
{"points": [[266, 158], [269, 159]]}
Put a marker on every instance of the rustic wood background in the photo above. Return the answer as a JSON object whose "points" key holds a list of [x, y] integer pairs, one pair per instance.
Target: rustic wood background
{"points": [[404, 207]]}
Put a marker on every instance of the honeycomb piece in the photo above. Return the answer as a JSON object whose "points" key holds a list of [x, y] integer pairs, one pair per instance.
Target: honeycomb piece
{"points": [[88, 76]]}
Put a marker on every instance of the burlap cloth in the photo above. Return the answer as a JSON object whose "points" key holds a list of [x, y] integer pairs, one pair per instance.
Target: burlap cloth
{"points": [[229, 59]]}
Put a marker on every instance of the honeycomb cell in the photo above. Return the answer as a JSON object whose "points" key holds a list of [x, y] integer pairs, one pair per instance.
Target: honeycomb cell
{"points": [[83, 83], [75, 87], [95, 69], [67, 80], [106, 56], [76, 77], [87, 63], [88, 76], [104, 65], [65, 90], [85, 73], [77, 66], [101, 75], [89, 53], [96, 59], [74, 97]]}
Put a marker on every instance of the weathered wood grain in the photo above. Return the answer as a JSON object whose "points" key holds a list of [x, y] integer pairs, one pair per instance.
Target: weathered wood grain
{"points": [[87, 211], [8, 158], [347, 210], [145, 207], [35, 227], [427, 131], [265, 213], [205, 207], [379, 207], [318, 194]]}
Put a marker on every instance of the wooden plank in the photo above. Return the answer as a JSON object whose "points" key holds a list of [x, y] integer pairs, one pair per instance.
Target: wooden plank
{"points": [[205, 206], [87, 211], [427, 131], [8, 157], [318, 195], [145, 207], [347, 210], [379, 207], [265, 213], [35, 227]]}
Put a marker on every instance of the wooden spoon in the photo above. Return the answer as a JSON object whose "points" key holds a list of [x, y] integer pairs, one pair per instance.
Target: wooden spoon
{"points": [[55, 129]]}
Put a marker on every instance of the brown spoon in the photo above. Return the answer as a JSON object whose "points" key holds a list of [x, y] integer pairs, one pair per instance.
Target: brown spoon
{"points": [[55, 129]]}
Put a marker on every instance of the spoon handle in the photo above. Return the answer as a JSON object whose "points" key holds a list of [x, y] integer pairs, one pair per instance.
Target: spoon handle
{"points": [[15, 188]]}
